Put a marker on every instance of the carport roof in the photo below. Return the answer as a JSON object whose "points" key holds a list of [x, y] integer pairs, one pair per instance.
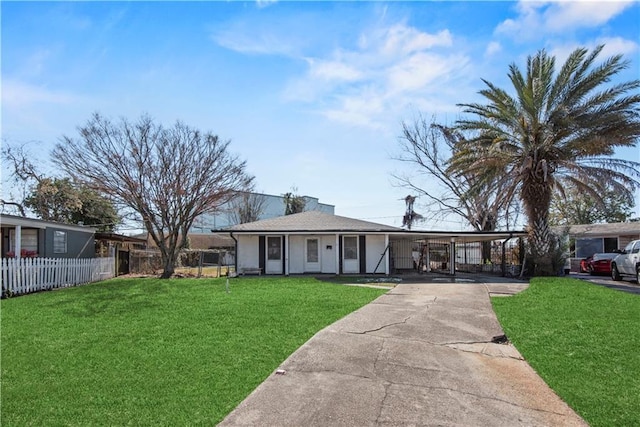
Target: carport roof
{"points": [[324, 223]]}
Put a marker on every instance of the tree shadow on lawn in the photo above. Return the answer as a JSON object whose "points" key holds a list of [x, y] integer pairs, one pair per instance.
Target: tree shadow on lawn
{"points": [[117, 297]]}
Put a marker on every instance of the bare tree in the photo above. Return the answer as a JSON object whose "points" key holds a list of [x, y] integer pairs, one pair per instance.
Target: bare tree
{"points": [[168, 176], [427, 147], [246, 207], [22, 171], [56, 198]]}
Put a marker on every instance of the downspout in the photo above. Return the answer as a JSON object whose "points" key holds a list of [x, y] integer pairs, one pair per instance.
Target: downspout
{"points": [[235, 255]]}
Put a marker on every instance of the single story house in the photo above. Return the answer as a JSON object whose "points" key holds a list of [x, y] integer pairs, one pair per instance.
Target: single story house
{"points": [[595, 238], [29, 237], [319, 242], [588, 239]]}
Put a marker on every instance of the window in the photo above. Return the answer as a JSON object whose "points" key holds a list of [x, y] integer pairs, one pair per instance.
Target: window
{"points": [[274, 249], [610, 244], [350, 247], [312, 250], [589, 246], [59, 242], [28, 240]]}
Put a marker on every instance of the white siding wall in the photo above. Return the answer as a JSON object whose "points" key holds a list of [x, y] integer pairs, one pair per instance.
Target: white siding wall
{"points": [[296, 254], [327, 256], [247, 252], [375, 248]]}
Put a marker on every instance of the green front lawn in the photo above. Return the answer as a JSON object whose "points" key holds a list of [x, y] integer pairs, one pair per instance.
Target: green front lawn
{"points": [[154, 352], [584, 340]]}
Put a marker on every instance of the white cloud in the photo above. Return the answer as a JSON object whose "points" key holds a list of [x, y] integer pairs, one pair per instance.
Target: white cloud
{"points": [[613, 46], [265, 44], [360, 109], [402, 39], [528, 22], [265, 3], [536, 20], [333, 70], [575, 14], [390, 69], [492, 49], [617, 45], [422, 69], [16, 94]]}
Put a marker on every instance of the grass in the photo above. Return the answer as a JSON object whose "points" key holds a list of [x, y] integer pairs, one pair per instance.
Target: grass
{"points": [[154, 352], [584, 341]]}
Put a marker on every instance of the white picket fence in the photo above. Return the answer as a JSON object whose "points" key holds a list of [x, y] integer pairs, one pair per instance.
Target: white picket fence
{"points": [[25, 275]]}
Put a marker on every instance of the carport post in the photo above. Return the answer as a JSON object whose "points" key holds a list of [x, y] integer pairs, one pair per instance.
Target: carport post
{"points": [[286, 254], [337, 254], [452, 257], [503, 260]]}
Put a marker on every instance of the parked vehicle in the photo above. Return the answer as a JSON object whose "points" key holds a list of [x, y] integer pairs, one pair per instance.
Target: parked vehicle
{"points": [[584, 264], [600, 263], [627, 263]]}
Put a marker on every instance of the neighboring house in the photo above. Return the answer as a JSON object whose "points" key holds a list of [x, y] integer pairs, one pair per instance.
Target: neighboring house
{"points": [[35, 237], [597, 238], [273, 206], [318, 242]]}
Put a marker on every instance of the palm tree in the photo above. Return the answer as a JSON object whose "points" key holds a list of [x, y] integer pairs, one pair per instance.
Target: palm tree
{"points": [[557, 130]]}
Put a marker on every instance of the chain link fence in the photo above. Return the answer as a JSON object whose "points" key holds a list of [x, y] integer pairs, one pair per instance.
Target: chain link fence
{"points": [[190, 263]]}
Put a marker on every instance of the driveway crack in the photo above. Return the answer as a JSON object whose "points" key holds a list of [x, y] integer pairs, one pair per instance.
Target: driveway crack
{"points": [[384, 398], [381, 327]]}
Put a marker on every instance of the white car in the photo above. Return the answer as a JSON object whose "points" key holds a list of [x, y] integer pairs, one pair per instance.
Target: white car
{"points": [[627, 263]]}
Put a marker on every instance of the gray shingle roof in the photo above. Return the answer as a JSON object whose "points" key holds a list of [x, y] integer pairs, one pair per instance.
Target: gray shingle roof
{"points": [[598, 230], [311, 221]]}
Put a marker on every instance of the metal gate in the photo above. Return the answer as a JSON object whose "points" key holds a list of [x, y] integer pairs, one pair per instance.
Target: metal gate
{"points": [[502, 257]]}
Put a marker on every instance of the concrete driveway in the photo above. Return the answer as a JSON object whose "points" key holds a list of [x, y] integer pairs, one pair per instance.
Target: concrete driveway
{"points": [[626, 285], [422, 354]]}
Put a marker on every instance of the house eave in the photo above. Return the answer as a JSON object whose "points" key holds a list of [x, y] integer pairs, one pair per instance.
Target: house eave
{"points": [[15, 221], [464, 236]]}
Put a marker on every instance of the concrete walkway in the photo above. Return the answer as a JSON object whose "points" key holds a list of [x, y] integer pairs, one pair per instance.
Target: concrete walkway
{"points": [[420, 355]]}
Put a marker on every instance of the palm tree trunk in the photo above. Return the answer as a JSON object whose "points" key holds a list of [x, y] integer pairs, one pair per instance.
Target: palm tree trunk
{"points": [[536, 196]]}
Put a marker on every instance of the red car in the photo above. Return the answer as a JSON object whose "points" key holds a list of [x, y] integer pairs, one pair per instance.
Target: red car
{"points": [[584, 264], [600, 263]]}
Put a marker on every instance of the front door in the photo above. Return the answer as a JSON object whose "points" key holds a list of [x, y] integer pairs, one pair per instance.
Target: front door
{"points": [[274, 255], [350, 255], [312, 256]]}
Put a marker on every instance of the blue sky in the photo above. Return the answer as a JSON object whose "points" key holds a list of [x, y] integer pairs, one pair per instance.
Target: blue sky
{"points": [[311, 94]]}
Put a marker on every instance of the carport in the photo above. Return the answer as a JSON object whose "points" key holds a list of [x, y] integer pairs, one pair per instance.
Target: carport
{"points": [[450, 252]]}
